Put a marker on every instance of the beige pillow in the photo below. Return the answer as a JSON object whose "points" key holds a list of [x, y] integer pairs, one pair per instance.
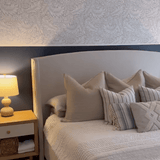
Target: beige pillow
{"points": [[146, 115], [116, 85], [151, 81], [58, 103], [125, 96], [84, 102]]}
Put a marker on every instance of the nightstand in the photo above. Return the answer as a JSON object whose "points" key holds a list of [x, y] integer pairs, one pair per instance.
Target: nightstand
{"points": [[21, 124]]}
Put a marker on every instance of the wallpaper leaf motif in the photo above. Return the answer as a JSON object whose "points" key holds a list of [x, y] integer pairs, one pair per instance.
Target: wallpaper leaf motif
{"points": [[79, 22]]}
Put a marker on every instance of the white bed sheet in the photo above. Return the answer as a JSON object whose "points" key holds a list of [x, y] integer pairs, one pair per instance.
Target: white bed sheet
{"points": [[94, 140]]}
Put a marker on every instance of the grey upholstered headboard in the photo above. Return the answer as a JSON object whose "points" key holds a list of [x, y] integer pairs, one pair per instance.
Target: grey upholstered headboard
{"points": [[47, 73]]}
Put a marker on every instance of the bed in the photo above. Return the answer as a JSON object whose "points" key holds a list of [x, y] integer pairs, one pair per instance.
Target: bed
{"points": [[47, 81]]}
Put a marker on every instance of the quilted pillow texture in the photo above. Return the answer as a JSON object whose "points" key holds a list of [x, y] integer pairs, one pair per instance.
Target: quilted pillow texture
{"points": [[122, 116], [84, 102], [116, 85], [151, 81], [146, 115], [109, 97], [149, 94]]}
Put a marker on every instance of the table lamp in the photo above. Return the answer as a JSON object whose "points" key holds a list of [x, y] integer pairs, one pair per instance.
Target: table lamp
{"points": [[8, 87]]}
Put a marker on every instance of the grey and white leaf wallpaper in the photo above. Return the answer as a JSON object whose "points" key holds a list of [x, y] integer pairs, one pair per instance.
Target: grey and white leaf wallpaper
{"points": [[79, 22]]}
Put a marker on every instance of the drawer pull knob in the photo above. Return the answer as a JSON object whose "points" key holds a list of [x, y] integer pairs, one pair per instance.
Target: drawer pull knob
{"points": [[8, 132]]}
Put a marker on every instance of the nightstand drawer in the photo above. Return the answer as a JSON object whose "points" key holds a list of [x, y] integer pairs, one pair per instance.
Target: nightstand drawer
{"points": [[16, 130]]}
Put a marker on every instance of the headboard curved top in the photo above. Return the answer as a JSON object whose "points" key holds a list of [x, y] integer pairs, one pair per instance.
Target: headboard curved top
{"points": [[47, 72]]}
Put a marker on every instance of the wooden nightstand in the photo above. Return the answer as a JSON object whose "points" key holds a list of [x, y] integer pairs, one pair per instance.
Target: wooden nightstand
{"points": [[22, 123]]}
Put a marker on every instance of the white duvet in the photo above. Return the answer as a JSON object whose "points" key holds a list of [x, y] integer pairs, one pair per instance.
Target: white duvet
{"points": [[94, 140]]}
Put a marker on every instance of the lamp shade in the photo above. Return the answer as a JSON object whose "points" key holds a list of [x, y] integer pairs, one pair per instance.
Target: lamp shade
{"points": [[8, 86]]}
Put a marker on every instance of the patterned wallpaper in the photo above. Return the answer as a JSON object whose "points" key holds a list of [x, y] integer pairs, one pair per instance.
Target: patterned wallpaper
{"points": [[79, 22]]}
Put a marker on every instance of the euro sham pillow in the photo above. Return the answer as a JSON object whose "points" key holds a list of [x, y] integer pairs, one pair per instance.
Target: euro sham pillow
{"points": [[146, 115], [59, 103], [149, 94], [151, 81], [125, 96], [122, 116], [116, 85], [84, 103]]}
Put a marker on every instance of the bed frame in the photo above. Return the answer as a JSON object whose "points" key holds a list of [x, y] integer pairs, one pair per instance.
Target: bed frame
{"points": [[47, 74]]}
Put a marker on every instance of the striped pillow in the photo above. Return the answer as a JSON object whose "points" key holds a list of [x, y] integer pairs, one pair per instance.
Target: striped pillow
{"points": [[148, 94], [122, 116], [125, 96]]}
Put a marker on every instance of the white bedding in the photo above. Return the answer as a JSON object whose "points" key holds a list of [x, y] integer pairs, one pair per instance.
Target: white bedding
{"points": [[94, 140]]}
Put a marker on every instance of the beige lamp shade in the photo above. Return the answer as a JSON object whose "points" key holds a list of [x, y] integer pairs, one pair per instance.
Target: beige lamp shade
{"points": [[8, 86]]}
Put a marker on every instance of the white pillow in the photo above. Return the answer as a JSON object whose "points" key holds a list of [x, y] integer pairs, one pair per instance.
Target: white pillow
{"points": [[58, 104]]}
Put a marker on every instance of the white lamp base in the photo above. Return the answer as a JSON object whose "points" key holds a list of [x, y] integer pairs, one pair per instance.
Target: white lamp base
{"points": [[6, 111]]}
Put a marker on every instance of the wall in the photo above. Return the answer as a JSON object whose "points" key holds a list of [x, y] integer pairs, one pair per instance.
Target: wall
{"points": [[89, 24], [79, 22], [16, 61]]}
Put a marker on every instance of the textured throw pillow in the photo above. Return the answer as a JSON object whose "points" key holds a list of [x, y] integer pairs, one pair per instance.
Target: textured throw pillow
{"points": [[109, 97], [116, 85], [122, 116], [84, 102], [148, 94], [146, 115], [151, 81]]}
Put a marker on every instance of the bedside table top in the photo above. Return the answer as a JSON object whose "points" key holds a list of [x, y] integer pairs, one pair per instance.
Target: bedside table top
{"points": [[18, 117]]}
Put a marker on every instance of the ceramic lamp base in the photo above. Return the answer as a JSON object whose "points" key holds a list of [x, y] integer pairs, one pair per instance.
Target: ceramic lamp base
{"points": [[6, 111]]}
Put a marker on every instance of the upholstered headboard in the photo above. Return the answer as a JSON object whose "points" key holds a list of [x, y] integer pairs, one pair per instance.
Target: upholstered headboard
{"points": [[47, 73]]}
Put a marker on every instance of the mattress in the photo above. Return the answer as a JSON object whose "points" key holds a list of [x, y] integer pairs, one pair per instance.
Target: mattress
{"points": [[94, 140]]}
